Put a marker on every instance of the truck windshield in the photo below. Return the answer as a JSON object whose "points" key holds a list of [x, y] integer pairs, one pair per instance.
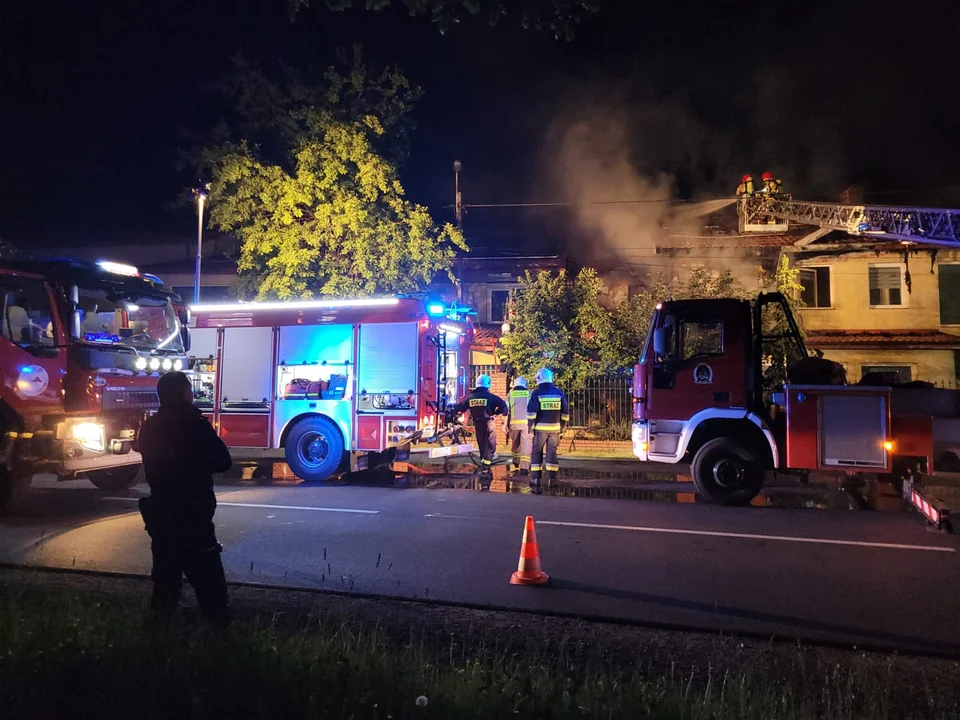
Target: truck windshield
{"points": [[143, 322]]}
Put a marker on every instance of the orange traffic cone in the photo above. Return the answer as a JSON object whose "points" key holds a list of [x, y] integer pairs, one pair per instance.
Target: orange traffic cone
{"points": [[528, 571]]}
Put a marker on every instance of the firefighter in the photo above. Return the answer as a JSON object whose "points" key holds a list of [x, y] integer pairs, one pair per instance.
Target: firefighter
{"points": [[547, 416], [484, 406], [745, 188], [181, 451], [767, 178], [520, 439]]}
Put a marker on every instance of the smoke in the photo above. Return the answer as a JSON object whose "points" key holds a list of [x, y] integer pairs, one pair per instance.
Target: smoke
{"points": [[589, 164], [619, 213]]}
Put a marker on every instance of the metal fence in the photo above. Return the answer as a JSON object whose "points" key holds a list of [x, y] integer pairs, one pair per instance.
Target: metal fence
{"points": [[602, 401]]}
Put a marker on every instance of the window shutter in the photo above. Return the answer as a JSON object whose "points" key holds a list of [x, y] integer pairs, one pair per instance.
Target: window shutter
{"points": [[885, 278], [388, 358]]}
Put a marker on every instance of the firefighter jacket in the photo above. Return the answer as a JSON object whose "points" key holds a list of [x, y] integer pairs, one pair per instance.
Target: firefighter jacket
{"points": [[482, 405], [547, 409], [517, 400]]}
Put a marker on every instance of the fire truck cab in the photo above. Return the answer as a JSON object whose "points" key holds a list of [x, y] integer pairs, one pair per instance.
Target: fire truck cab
{"points": [[708, 391], [81, 348], [327, 381]]}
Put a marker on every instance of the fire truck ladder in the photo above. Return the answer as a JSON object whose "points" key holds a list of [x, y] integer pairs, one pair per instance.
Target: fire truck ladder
{"points": [[907, 224]]}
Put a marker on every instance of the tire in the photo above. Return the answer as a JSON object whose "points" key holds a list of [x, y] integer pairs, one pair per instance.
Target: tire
{"points": [[12, 489], [117, 478], [727, 473], [314, 448]]}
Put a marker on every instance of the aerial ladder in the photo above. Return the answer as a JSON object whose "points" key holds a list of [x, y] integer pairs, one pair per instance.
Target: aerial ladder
{"points": [[909, 225]]}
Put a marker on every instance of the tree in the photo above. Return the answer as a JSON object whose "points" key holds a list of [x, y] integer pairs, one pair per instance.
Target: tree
{"points": [[558, 16], [556, 322], [315, 199]]}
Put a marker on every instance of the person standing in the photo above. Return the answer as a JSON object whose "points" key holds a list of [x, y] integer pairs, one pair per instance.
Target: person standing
{"points": [[181, 451], [548, 415], [520, 439], [484, 406]]}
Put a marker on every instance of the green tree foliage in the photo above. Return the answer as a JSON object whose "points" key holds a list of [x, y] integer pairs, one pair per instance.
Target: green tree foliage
{"points": [[556, 322], [560, 17], [306, 178]]}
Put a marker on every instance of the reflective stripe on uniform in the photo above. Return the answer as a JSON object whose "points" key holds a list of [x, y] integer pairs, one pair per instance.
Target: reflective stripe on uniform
{"points": [[486, 462], [545, 427], [535, 468], [565, 418], [518, 423], [552, 468]]}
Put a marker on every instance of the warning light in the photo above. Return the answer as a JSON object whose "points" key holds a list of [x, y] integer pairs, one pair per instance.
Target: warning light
{"points": [[888, 446], [644, 446], [436, 309]]}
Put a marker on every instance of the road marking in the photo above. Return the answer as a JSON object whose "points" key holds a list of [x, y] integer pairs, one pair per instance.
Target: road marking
{"points": [[751, 536], [273, 507]]}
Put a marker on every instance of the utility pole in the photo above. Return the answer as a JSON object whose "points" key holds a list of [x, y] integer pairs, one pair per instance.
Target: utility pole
{"points": [[458, 212], [201, 195]]}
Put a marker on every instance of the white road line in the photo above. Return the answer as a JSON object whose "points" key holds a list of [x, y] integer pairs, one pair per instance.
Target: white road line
{"points": [[273, 507], [751, 536]]}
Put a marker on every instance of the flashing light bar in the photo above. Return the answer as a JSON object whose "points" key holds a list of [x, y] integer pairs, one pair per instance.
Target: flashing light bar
{"points": [[449, 329], [301, 305], [436, 309], [118, 268]]}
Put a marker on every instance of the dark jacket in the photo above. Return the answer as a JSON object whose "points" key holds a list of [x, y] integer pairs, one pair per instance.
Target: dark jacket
{"points": [[483, 405], [181, 451], [547, 409]]}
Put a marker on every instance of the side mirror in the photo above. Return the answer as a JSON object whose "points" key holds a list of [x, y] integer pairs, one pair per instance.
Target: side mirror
{"points": [[185, 338], [185, 317], [660, 342], [75, 324]]}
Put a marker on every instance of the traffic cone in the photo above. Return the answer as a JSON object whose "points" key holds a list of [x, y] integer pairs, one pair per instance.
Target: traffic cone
{"points": [[528, 571]]}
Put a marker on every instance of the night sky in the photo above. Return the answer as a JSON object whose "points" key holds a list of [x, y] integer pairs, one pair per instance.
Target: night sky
{"points": [[827, 94]]}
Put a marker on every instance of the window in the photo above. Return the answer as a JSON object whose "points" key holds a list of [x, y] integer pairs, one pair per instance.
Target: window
{"points": [[949, 294], [886, 285], [701, 339], [892, 373], [816, 287], [26, 313], [498, 305]]}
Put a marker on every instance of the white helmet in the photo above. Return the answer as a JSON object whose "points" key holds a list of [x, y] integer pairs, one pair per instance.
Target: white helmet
{"points": [[544, 375], [520, 382], [483, 381]]}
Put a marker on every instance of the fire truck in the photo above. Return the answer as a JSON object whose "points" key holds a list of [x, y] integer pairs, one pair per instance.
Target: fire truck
{"points": [[705, 392], [327, 381], [82, 348]]}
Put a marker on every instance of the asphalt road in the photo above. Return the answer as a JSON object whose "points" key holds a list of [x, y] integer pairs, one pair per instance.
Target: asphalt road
{"points": [[875, 579]]}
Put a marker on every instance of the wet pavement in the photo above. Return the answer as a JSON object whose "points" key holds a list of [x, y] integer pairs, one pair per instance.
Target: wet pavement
{"points": [[622, 480]]}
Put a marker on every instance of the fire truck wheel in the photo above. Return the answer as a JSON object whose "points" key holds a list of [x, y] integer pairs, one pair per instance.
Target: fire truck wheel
{"points": [[118, 478], [314, 449], [727, 473], [12, 488]]}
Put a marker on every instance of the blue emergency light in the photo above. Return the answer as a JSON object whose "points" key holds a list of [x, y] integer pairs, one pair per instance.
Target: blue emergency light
{"points": [[436, 309]]}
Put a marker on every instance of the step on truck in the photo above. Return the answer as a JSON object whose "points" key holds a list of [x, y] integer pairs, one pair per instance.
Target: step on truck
{"points": [[728, 386], [327, 384], [82, 348]]}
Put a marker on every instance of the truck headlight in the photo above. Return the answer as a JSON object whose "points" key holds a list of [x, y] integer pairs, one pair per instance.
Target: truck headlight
{"points": [[90, 435]]}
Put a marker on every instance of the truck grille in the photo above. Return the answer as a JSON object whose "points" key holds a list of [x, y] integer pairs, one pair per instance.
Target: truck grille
{"points": [[141, 399]]}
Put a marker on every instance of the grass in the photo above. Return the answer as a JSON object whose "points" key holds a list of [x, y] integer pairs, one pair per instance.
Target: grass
{"points": [[71, 654]]}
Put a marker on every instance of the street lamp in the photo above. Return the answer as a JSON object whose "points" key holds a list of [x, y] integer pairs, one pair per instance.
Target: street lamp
{"points": [[201, 195]]}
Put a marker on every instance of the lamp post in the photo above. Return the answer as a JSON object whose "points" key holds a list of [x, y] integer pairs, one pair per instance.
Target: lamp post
{"points": [[201, 195]]}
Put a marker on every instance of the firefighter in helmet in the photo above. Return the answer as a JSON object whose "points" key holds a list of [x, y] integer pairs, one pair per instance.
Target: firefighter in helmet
{"points": [[767, 178], [520, 438], [547, 416], [745, 188], [484, 406]]}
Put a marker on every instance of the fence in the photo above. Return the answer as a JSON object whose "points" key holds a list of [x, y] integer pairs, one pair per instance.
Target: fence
{"points": [[601, 402]]}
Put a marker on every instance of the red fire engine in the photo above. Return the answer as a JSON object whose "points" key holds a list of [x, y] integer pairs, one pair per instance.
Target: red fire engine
{"points": [[327, 379], [82, 348], [705, 393]]}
